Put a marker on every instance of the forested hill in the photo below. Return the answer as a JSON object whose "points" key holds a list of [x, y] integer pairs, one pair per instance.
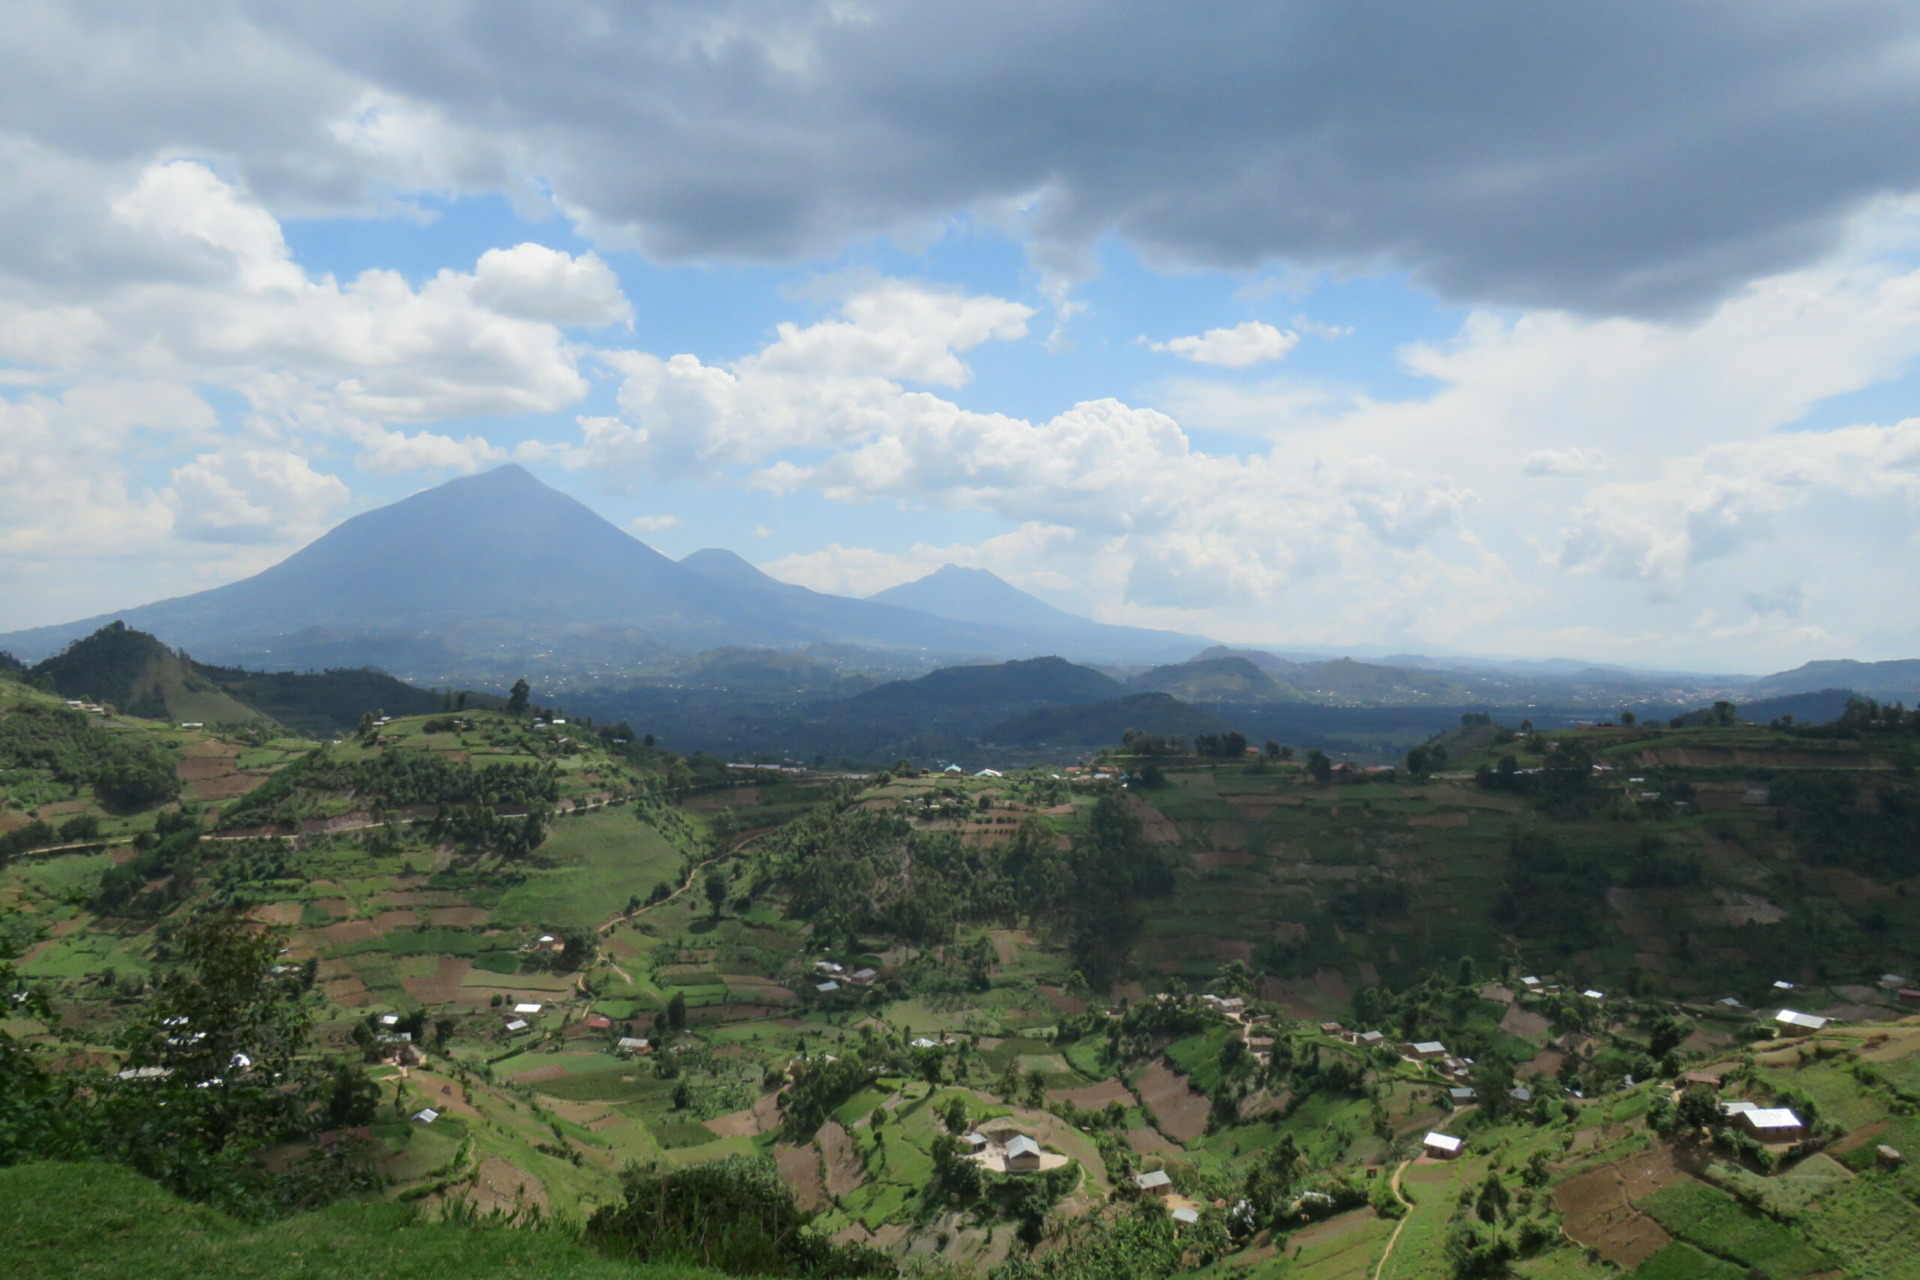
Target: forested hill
{"points": [[136, 673]]}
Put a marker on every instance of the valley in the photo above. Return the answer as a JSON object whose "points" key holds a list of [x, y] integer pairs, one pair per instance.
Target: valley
{"points": [[554, 952]]}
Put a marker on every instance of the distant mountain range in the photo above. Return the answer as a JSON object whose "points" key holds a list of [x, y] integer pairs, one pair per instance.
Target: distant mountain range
{"points": [[490, 577], [486, 573]]}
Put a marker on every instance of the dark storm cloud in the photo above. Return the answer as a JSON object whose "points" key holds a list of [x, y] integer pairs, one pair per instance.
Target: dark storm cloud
{"points": [[1607, 157]]}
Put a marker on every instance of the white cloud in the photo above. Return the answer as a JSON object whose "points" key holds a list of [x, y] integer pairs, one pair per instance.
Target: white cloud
{"points": [[252, 495], [217, 298], [1248, 343], [1572, 461], [653, 524], [533, 282]]}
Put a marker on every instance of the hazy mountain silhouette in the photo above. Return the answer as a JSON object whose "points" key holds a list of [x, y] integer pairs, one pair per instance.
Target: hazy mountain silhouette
{"points": [[499, 564], [982, 598]]}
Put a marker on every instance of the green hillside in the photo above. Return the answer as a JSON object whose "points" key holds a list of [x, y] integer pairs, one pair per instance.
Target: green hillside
{"points": [[135, 673], [99, 1222], [841, 977]]}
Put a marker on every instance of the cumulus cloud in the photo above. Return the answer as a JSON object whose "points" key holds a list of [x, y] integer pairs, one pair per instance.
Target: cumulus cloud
{"points": [[1162, 524], [210, 293], [252, 495], [1566, 462], [1248, 343], [1579, 161], [652, 524]]}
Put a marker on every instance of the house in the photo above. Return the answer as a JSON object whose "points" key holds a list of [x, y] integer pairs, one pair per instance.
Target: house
{"points": [[389, 1019], [1330, 1028], [863, 977], [1911, 995], [1800, 1021], [1783, 986], [1370, 1039], [1712, 1079], [1531, 982], [143, 1073], [1771, 1124], [1421, 1050], [921, 1042], [1188, 1216], [953, 768], [426, 1115], [1441, 1146], [632, 1044], [599, 1022], [988, 773], [527, 1010], [1520, 1093], [1728, 1002], [828, 967], [1591, 994], [1891, 982], [826, 988], [1461, 1095], [516, 1026], [1023, 1154], [1157, 1182], [975, 1142]]}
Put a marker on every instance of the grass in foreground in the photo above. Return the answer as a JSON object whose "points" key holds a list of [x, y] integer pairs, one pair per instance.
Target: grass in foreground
{"points": [[95, 1221]]}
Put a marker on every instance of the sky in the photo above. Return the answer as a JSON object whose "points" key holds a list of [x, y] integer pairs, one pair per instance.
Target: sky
{"points": [[1486, 328]]}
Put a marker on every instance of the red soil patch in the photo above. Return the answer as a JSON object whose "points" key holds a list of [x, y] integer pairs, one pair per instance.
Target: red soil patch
{"points": [[458, 917], [499, 1185], [540, 1075], [394, 921], [1253, 808], [1151, 1142], [845, 1172], [276, 913], [226, 787], [444, 986], [1095, 1096], [350, 931], [338, 908], [1154, 825], [1177, 1110], [1072, 1006], [761, 1117], [1438, 820], [1213, 859], [800, 1169], [1524, 1023], [1599, 1209], [346, 991]]}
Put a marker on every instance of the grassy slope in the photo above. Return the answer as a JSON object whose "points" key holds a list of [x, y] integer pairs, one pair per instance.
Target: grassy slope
{"points": [[73, 1222]]}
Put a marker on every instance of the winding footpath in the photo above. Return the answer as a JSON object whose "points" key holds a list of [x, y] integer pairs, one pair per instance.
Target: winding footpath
{"points": [[1394, 1186]]}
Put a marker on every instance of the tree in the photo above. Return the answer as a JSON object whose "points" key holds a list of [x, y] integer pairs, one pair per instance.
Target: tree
{"points": [[1320, 766], [716, 889], [677, 1012], [517, 698]]}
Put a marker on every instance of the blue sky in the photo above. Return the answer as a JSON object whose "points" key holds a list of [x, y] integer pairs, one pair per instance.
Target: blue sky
{"points": [[1279, 323]]}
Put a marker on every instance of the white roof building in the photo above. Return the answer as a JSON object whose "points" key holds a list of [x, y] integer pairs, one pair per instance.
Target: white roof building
{"points": [[1805, 1021], [1443, 1145], [1155, 1181], [526, 1008], [921, 1042], [1022, 1145], [517, 1025], [825, 988], [1188, 1216], [426, 1115]]}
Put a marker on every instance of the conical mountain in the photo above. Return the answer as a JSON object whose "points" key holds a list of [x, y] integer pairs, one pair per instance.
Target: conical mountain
{"points": [[499, 547], [494, 570], [981, 597]]}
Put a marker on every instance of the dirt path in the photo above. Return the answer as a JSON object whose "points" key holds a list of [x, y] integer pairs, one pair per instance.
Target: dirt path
{"points": [[1394, 1186], [693, 873]]}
